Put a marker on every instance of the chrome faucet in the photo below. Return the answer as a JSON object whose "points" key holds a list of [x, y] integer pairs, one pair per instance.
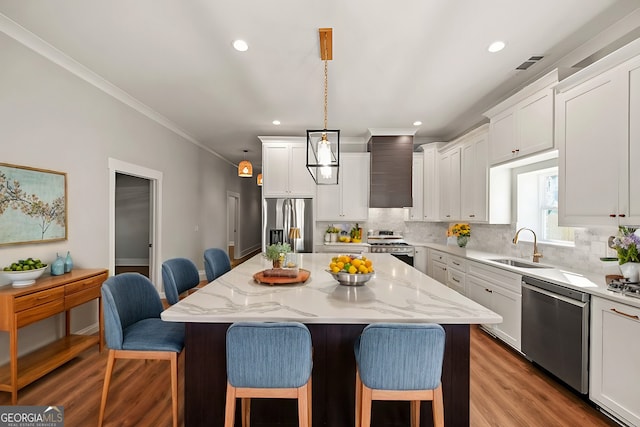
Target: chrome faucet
{"points": [[536, 254]]}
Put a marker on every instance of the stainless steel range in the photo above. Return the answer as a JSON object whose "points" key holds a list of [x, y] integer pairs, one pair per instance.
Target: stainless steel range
{"points": [[625, 287], [390, 243]]}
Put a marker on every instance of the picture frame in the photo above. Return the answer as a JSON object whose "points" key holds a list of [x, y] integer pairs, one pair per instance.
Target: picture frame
{"points": [[33, 205]]}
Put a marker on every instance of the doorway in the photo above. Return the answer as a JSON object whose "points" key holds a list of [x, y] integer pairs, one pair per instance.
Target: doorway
{"points": [[233, 201], [133, 224], [149, 181]]}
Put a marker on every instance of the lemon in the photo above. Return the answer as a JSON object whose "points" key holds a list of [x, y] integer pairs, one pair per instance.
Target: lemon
{"points": [[352, 270]]}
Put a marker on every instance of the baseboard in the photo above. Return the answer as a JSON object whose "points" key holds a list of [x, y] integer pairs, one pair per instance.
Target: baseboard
{"points": [[248, 251], [132, 262]]}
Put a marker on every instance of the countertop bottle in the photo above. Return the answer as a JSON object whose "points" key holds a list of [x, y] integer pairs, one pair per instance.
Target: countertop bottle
{"points": [[68, 263]]}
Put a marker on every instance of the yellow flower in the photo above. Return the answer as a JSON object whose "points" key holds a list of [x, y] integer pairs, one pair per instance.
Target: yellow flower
{"points": [[457, 230]]}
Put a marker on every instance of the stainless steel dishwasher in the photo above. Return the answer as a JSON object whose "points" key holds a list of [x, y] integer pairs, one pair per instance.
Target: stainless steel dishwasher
{"points": [[555, 330]]}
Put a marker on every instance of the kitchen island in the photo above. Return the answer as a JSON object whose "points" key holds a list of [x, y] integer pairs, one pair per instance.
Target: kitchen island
{"points": [[335, 315]]}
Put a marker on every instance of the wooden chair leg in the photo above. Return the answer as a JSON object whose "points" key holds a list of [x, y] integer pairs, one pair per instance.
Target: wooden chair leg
{"points": [[365, 416], [174, 388], [415, 413], [230, 407], [358, 398], [303, 405], [105, 388], [438, 407], [309, 400], [245, 411]]}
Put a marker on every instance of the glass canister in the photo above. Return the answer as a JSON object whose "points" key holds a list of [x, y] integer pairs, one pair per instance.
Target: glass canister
{"points": [[57, 266]]}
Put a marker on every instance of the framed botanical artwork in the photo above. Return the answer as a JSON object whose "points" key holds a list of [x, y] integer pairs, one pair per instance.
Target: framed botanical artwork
{"points": [[33, 205]]}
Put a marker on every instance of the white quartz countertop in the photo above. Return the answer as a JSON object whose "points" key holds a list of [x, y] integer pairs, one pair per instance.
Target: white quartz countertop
{"points": [[397, 293], [592, 283]]}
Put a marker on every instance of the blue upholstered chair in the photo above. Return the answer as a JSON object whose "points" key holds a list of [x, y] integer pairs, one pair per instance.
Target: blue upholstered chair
{"points": [[133, 329], [399, 362], [216, 263], [178, 275], [268, 360]]}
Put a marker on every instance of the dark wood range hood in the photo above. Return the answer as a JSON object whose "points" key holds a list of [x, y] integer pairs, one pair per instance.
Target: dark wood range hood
{"points": [[391, 169]]}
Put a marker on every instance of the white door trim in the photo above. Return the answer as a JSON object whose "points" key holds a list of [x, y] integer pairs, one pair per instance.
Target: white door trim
{"points": [[118, 166], [234, 221]]}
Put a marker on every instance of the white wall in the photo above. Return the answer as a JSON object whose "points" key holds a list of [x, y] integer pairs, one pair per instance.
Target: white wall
{"points": [[52, 119]]}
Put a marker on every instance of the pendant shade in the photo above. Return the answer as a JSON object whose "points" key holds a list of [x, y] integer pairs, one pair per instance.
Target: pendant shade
{"points": [[245, 168], [323, 155], [260, 179]]}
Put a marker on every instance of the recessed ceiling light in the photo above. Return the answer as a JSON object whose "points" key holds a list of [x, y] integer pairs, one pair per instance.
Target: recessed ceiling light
{"points": [[417, 123], [276, 122], [240, 45], [496, 46]]}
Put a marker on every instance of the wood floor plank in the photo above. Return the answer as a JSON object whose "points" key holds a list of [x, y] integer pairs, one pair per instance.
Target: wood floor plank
{"points": [[506, 391]]}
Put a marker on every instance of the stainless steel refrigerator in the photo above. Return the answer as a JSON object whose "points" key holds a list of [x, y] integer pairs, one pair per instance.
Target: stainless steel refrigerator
{"points": [[280, 215]]}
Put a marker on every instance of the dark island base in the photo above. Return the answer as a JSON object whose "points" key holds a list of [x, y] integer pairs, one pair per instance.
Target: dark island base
{"points": [[333, 381]]}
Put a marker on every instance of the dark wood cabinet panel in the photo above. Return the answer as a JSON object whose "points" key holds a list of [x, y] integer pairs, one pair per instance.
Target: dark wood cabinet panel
{"points": [[391, 169]]}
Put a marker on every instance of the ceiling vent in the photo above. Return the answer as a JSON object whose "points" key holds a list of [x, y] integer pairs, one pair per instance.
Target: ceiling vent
{"points": [[529, 62]]}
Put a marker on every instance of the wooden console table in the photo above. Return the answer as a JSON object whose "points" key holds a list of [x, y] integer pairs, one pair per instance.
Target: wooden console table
{"points": [[50, 295]]}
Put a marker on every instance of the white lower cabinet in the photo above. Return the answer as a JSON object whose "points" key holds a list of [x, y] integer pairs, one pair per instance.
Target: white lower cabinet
{"points": [[500, 291], [456, 272], [421, 259], [438, 266], [614, 369]]}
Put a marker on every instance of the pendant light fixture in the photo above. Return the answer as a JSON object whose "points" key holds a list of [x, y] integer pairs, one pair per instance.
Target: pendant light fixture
{"points": [[260, 180], [323, 146], [245, 168]]}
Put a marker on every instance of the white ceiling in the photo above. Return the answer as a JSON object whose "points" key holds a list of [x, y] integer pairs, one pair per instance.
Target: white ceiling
{"points": [[394, 62]]}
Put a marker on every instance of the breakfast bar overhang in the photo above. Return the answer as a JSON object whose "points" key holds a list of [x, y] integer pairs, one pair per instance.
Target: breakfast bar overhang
{"points": [[335, 315]]}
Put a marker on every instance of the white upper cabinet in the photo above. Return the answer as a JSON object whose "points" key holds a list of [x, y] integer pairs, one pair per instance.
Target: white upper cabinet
{"points": [[474, 176], [415, 213], [284, 169], [523, 124], [449, 176], [598, 135], [430, 182], [349, 200]]}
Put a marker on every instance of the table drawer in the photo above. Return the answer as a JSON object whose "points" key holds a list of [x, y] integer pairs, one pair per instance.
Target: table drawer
{"points": [[81, 297], [35, 299], [82, 285], [26, 317]]}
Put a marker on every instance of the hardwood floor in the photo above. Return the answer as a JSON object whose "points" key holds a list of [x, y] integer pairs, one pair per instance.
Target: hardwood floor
{"points": [[506, 390]]}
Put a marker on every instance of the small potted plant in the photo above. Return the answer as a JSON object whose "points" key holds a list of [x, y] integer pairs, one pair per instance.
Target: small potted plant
{"points": [[332, 232], [276, 253]]}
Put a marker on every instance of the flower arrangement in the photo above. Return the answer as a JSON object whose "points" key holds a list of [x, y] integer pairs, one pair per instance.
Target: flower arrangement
{"points": [[626, 244], [277, 252], [457, 230]]}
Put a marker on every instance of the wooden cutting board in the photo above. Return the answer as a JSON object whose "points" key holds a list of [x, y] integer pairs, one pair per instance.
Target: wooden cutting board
{"points": [[303, 275]]}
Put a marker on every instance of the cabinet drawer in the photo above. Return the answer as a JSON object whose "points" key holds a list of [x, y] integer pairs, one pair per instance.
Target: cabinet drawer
{"points": [[457, 263], [81, 285], [39, 312], [438, 256], [497, 276], [38, 298], [81, 297], [456, 280]]}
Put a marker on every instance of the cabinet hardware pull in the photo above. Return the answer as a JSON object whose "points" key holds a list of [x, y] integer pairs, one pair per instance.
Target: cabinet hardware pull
{"points": [[622, 215], [612, 215], [513, 151], [455, 263], [455, 280], [632, 316], [472, 216], [488, 290], [517, 150]]}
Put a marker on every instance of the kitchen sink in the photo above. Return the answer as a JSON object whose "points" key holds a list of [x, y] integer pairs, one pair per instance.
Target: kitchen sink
{"points": [[518, 263]]}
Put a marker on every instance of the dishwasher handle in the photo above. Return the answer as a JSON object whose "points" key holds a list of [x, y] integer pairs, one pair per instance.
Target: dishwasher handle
{"points": [[554, 295]]}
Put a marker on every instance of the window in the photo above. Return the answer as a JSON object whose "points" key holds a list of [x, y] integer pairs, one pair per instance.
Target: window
{"points": [[537, 198]]}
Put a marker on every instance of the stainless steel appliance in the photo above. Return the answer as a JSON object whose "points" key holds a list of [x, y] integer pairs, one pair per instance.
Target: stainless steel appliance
{"points": [[625, 287], [555, 330], [388, 242], [280, 215]]}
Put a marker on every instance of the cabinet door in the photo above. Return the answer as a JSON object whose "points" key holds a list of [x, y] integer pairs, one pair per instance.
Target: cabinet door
{"points": [[474, 179], [301, 183], [420, 259], [502, 137], [417, 181], [456, 280], [354, 180], [328, 206], [591, 139], [430, 185], [535, 123], [614, 370], [275, 168], [630, 191], [439, 272], [449, 172], [478, 291], [509, 306]]}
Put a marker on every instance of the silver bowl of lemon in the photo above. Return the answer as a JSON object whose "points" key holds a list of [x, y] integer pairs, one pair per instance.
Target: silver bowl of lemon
{"points": [[351, 270]]}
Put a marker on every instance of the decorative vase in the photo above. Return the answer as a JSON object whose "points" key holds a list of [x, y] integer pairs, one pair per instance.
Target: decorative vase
{"points": [[334, 237], [57, 266], [68, 263], [462, 241], [276, 263], [631, 271]]}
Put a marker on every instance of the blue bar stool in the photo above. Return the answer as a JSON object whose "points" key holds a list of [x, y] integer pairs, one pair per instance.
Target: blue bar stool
{"points": [[268, 360], [216, 263], [399, 362], [179, 275]]}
